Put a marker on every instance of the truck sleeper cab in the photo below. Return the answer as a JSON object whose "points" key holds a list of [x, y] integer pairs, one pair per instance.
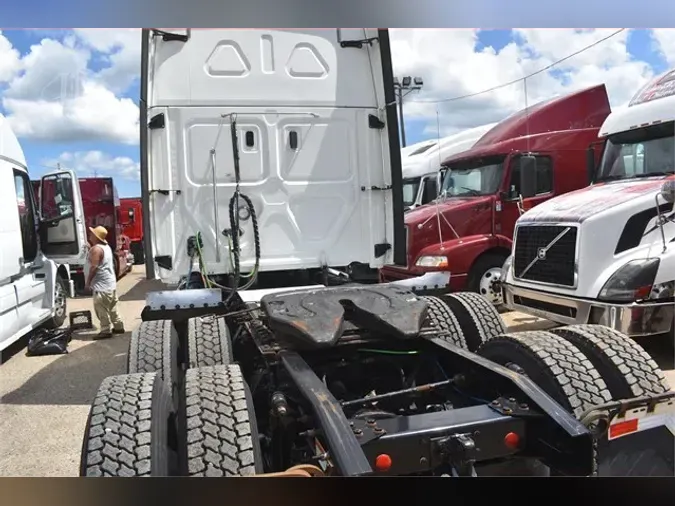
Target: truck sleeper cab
{"points": [[315, 151], [468, 231], [606, 254]]}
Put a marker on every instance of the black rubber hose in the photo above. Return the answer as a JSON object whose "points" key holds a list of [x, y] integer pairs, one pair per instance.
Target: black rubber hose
{"points": [[234, 230]]}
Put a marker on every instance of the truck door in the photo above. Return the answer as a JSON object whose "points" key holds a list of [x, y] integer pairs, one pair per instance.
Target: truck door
{"points": [[510, 212], [63, 241], [22, 296]]}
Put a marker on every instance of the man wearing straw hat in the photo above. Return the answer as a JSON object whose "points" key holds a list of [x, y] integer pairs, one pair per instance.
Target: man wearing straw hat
{"points": [[103, 283]]}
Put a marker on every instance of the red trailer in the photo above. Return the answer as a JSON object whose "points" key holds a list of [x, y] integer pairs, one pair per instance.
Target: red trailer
{"points": [[101, 207], [131, 212]]}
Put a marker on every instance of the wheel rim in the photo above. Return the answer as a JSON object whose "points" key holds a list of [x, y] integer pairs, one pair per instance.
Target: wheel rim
{"points": [[489, 285], [59, 301]]}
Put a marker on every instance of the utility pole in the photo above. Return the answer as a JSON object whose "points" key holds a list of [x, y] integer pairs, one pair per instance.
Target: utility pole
{"points": [[408, 84]]}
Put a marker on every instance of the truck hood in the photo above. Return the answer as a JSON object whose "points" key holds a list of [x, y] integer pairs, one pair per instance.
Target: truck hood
{"points": [[459, 217], [422, 214], [616, 222], [580, 205]]}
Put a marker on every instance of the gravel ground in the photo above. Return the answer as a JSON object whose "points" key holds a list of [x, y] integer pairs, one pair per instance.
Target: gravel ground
{"points": [[44, 401]]}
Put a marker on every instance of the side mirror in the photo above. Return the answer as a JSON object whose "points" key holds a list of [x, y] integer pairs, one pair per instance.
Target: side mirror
{"points": [[590, 164], [668, 191], [528, 176]]}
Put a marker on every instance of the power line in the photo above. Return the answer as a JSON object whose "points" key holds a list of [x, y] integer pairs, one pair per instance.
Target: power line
{"points": [[503, 85]]}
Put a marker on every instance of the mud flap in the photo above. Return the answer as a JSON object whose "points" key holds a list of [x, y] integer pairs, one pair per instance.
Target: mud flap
{"points": [[650, 452], [640, 440]]}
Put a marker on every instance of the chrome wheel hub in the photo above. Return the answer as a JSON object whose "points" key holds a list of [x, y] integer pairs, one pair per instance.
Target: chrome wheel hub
{"points": [[59, 300], [489, 286]]}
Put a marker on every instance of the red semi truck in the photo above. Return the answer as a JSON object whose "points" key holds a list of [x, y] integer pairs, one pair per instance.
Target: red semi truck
{"points": [[101, 206], [131, 213], [468, 231]]}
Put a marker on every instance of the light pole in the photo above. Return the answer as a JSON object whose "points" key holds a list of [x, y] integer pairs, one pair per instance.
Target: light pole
{"points": [[408, 84]]}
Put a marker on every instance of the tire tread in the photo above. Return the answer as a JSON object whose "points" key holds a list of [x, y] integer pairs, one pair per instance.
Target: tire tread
{"points": [[118, 437], [219, 422], [441, 317]]}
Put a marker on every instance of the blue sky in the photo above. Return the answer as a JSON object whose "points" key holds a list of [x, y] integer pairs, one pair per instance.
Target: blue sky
{"points": [[443, 76]]}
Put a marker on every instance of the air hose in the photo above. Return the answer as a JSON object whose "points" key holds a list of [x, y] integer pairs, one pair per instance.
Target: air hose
{"points": [[233, 236]]}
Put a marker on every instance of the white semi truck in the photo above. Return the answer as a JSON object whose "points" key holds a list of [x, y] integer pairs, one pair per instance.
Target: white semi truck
{"points": [[271, 152], [33, 287], [605, 254], [422, 171]]}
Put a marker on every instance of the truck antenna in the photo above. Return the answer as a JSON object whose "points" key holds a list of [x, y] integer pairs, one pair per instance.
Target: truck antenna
{"points": [[440, 161]]}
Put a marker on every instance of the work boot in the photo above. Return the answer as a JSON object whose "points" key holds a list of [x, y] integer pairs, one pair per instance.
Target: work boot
{"points": [[119, 330]]}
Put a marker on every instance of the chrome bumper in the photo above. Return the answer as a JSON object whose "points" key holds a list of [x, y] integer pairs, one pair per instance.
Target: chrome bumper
{"points": [[634, 320]]}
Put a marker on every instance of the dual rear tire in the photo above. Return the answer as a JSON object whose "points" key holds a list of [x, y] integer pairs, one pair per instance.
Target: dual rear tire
{"points": [[184, 408], [578, 366], [184, 399]]}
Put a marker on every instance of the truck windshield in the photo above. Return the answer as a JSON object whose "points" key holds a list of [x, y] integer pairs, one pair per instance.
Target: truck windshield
{"points": [[410, 188], [644, 152], [473, 180]]}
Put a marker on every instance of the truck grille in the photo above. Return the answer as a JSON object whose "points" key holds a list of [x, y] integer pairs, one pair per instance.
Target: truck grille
{"points": [[556, 265]]}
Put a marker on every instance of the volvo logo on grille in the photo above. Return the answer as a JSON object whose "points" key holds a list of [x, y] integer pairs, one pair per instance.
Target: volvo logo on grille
{"points": [[541, 252]]}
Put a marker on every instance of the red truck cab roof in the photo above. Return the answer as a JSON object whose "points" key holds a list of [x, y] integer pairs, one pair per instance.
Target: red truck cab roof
{"points": [[532, 128]]}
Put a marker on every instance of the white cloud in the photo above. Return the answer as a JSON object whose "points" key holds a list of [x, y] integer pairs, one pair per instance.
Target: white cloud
{"points": [[451, 66], [57, 99], [91, 163], [53, 95], [665, 43], [122, 48], [10, 59]]}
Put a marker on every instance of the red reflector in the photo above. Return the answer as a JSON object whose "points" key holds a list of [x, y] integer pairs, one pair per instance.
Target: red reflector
{"points": [[623, 428], [512, 440], [643, 292], [383, 462]]}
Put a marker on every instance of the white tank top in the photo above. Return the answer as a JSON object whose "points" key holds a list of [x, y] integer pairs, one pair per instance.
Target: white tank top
{"points": [[104, 280]]}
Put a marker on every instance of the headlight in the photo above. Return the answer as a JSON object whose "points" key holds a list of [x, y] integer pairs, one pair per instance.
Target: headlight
{"points": [[507, 266], [432, 261], [631, 282]]}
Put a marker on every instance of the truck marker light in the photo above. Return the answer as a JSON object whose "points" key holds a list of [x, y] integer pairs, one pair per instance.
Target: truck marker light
{"points": [[643, 292], [383, 462], [512, 440]]}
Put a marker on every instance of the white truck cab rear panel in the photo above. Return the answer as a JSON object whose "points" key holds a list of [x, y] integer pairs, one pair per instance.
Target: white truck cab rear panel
{"points": [[302, 105]]}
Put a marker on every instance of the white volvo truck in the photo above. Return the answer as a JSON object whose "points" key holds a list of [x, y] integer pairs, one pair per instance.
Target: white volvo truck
{"points": [[606, 253], [33, 287]]}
